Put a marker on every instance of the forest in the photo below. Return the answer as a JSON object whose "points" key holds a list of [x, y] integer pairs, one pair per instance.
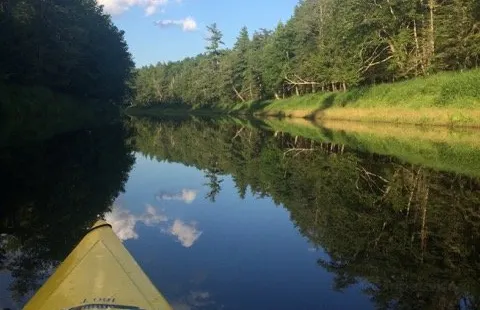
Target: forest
{"points": [[70, 47], [327, 45], [393, 226]]}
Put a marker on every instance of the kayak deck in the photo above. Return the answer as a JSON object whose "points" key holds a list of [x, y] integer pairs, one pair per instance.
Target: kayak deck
{"points": [[99, 274]]}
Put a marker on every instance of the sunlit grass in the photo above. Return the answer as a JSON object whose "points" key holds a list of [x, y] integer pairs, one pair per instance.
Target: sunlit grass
{"points": [[451, 98], [452, 89]]}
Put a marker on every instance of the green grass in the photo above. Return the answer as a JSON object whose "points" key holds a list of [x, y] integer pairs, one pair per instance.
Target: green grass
{"points": [[447, 98], [447, 89]]}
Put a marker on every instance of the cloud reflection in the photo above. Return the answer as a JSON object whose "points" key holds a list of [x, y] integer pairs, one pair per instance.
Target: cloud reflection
{"points": [[194, 300], [187, 234], [123, 221], [124, 224], [186, 195]]}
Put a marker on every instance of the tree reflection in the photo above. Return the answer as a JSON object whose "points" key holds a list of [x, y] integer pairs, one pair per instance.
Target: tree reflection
{"points": [[411, 233], [418, 246], [52, 192], [212, 174]]}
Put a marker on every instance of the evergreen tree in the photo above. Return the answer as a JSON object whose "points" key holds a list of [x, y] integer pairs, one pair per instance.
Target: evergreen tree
{"points": [[215, 42], [239, 64]]}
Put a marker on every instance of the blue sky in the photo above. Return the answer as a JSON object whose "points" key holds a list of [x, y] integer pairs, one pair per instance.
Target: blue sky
{"points": [[164, 30]]}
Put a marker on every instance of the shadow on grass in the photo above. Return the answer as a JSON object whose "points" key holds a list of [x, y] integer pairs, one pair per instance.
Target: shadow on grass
{"points": [[327, 103], [258, 105]]}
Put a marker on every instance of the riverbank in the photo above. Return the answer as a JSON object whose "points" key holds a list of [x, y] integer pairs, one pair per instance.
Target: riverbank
{"points": [[445, 99]]}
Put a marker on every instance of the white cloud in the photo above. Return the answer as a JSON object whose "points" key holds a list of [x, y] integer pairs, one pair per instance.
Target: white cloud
{"points": [[187, 24], [116, 7], [186, 195], [123, 222], [187, 234]]}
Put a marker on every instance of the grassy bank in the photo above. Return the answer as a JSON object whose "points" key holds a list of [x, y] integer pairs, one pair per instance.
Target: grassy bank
{"points": [[449, 98], [37, 113]]}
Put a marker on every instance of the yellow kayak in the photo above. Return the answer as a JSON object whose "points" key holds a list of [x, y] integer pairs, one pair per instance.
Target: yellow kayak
{"points": [[98, 274]]}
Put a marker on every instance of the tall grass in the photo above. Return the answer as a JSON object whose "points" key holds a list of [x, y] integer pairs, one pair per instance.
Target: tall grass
{"points": [[446, 89], [449, 98]]}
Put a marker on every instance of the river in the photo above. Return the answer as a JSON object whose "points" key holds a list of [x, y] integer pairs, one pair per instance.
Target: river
{"points": [[255, 214]]}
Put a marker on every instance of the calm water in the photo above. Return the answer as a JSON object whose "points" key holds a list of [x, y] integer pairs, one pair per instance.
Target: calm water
{"points": [[233, 214]]}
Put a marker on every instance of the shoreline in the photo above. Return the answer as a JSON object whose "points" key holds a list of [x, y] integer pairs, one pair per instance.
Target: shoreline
{"points": [[444, 99], [435, 117], [449, 99]]}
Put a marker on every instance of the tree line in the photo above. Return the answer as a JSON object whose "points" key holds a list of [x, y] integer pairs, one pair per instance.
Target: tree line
{"points": [[327, 45], [67, 46]]}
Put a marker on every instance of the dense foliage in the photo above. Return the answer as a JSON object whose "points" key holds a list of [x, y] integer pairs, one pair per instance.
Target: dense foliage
{"points": [[67, 46], [327, 45], [410, 233]]}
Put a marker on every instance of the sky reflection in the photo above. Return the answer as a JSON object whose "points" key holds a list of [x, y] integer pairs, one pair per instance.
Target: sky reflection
{"points": [[124, 224]]}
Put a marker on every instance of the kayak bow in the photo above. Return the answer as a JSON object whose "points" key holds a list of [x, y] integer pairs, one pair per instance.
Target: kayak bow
{"points": [[99, 274]]}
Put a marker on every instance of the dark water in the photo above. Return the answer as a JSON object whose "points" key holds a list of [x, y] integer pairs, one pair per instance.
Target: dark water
{"points": [[230, 214]]}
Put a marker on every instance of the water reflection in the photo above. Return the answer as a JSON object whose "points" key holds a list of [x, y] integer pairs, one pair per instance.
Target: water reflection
{"points": [[243, 215], [123, 221], [186, 195], [124, 224], [194, 300], [52, 191], [187, 233], [409, 232], [231, 254]]}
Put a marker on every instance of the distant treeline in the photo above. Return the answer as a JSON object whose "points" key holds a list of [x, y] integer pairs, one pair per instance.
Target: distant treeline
{"points": [[67, 46], [327, 45]]}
